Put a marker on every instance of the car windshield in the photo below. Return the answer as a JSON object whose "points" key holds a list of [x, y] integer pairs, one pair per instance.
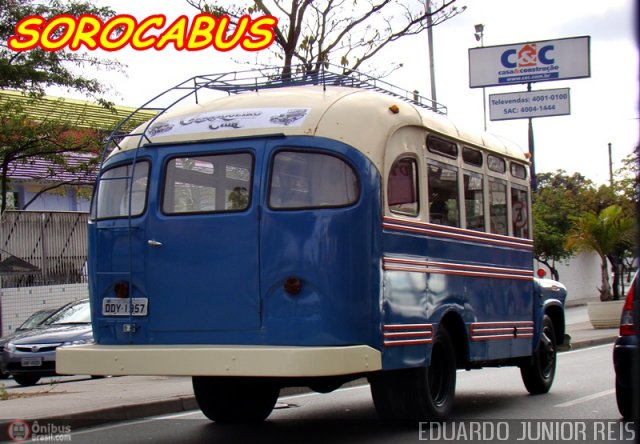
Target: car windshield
{"points": [[35, 319], [73, 314]]}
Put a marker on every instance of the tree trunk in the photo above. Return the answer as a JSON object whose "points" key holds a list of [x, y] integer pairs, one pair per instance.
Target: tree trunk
{"points": [[605, 290]]}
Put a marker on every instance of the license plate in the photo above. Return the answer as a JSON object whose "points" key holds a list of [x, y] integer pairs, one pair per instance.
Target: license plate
{"points": [[124, 307], [32, 362]]}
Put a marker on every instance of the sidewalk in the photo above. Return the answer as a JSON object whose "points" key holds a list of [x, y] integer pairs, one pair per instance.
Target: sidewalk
{"points": [[95, 401]]}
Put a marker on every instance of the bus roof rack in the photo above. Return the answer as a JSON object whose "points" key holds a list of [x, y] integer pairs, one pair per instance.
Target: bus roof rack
{"points": [[237, 82], [327, 75]]}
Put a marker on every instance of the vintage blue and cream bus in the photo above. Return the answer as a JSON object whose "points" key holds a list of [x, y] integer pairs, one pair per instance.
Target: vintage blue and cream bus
{"points": [[310, 232]]}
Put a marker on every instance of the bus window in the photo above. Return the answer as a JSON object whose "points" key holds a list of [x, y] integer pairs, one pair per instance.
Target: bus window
{"points": [[498, 206], [311, 180], [402, 189], [471, 156], [496, 164], [518, 170], [114, 192], [520, 213], [474, 201], [441, 146], [207, 184], [443, 195]]}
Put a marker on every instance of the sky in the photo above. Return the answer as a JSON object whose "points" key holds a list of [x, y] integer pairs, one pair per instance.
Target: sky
{"points": [[604, 107]]}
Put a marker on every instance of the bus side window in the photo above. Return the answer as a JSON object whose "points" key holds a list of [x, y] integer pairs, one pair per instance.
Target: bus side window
{"points": [[443, 195], [474, 201], [402, 187], [520, 213], [498, 206]]}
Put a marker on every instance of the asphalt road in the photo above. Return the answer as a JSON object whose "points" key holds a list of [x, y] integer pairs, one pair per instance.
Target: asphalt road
{"points": [[490, 403]]}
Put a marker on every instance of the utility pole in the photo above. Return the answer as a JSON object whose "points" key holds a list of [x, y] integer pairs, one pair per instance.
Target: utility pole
{"points": [[610, 168], [532, 169], [479, 35], [432, 71]]}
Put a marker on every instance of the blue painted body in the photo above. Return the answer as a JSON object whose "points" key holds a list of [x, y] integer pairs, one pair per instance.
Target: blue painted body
{"points": [[386, 283], [218, 278]]}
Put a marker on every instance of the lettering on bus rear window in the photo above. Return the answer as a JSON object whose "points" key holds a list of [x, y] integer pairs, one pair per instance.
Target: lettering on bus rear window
{"points": [[520, 212], [442, 146], [115, 188], [402, 188], [208, 184], [301, 180]]}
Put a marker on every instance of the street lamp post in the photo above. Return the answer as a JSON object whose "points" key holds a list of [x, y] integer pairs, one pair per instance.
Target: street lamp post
{"points": [[479, 35]]}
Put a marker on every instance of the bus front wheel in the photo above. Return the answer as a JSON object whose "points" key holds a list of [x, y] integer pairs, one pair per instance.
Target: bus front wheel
{"points": [[538, 374], [235, 400]]}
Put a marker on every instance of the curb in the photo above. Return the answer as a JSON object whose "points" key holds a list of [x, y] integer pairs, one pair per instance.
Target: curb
{"points": [[591, 343]]}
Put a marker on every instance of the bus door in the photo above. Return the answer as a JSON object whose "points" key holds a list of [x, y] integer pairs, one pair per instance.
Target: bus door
{"points": [[202, 267], [316, 245]]}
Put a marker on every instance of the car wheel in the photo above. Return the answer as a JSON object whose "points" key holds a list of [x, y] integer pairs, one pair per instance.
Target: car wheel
{"points": [[26, 380], [539, 373], [624, 399], [235, 400]]}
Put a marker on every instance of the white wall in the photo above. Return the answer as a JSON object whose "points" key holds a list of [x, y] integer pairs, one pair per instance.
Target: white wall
{"points": [[581, 276], [19, 303]]}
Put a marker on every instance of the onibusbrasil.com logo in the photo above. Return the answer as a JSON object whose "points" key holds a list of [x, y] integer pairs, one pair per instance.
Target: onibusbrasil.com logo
{"points": [[525, 431], [21, 431]]}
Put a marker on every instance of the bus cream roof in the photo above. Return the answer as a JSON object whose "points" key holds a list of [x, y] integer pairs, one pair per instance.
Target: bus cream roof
{"points": [[361, 118]]}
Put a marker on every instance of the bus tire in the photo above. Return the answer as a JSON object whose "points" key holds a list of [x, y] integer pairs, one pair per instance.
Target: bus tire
{"points": [[235, 400], [539, 373], [436, 384], [387, 391]]}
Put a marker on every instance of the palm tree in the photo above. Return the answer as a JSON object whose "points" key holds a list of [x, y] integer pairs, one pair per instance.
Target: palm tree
{"points": [[605, 233]]}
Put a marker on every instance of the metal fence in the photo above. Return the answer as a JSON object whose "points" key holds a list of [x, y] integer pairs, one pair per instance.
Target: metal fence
{"points": [[42, 248]]}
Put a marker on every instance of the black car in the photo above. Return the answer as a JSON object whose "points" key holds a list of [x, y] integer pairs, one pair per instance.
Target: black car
{"points": [[31, 355], [625, 359]]}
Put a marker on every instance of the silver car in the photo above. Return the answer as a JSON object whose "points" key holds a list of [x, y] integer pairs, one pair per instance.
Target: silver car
{"points": [[31, 355]]}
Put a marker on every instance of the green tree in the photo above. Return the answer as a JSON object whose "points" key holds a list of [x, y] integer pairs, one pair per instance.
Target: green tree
{"points": [[311, 33], [558, 197], [35, 70], [606, 233], [50, 136]]}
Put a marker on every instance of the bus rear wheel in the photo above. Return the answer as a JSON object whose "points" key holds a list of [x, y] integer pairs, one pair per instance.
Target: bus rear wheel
{"points": [[539, 373], [424, 393], [235, 400]]}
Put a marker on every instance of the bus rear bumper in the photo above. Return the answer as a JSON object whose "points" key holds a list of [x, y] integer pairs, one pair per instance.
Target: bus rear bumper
{"points": [[216, 360]]}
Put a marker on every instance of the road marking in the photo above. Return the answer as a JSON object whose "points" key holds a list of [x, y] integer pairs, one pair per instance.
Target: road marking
{"points": [[587, 398], [594, 347]]}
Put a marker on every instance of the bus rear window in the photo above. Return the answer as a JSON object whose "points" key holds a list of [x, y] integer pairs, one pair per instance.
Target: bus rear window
{"points": [[207, 184], [116, 187], [311, 180]]}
